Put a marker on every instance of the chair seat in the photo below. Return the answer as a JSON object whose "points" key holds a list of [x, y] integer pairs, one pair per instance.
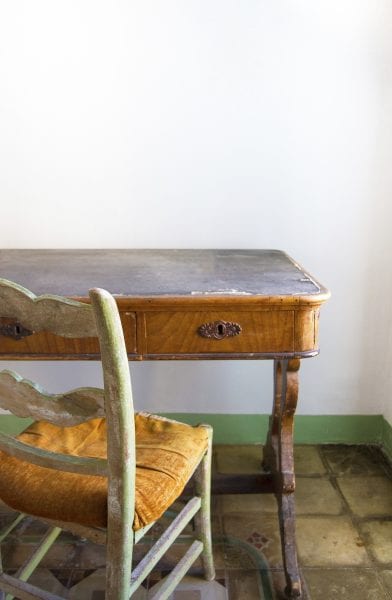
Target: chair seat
{"points": [[167, 453]]}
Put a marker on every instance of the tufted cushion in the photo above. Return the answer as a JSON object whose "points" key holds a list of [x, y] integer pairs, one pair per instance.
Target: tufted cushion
{"points": [[167, 453]]}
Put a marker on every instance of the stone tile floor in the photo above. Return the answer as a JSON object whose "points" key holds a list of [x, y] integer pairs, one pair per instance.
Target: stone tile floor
{"points": [[344, 535]]}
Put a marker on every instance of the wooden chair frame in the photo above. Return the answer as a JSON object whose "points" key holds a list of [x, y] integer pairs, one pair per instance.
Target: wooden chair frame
{"points": [[23, 398]]}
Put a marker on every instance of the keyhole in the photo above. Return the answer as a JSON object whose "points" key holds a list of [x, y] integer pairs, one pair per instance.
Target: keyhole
{"points": [[17, 329], [221, 329]]}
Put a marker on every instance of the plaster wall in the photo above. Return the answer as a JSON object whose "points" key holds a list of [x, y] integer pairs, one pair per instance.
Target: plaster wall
{"points": [[211, 124]]}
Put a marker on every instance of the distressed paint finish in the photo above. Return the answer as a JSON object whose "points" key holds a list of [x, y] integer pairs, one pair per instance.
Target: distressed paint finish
{"points": [[170, 581], [61, 316], [165, 541], [121, 446], [52, 460], [203, 517], [25, 398]]}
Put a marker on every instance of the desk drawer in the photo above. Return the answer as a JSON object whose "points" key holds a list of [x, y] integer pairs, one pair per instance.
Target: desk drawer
{"points": [[216, 332], [41, 344]]}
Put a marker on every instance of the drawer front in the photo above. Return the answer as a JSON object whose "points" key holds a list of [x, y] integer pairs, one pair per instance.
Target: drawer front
{"points": [[216, 332], [46, 343]]}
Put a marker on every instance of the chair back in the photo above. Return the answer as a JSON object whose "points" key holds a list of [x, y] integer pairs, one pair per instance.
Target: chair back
{"points": [[24, 398]]}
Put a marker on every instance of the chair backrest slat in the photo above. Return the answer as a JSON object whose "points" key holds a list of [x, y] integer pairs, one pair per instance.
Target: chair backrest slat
{"points": [[60, 316], [52, 460], [25, 398]]}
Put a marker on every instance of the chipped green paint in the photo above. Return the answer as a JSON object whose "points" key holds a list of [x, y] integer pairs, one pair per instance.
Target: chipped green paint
{"points": [[25, 398], [121, 445], [203, 517], [152, 557], [59, 315]]}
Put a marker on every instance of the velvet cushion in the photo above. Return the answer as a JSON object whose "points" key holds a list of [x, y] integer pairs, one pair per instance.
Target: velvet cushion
{"points": [[167, 453]]}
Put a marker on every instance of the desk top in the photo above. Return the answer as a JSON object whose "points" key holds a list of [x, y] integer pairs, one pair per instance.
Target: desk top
{"points": [[229, 274], [176, 304]]}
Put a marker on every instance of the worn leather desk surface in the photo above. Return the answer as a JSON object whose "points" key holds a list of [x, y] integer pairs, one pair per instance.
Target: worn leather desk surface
{"points": [[254, 303], [159, 272]]}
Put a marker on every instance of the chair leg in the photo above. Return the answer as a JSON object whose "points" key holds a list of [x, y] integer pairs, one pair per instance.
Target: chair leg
{"points": [[203, 517], [118, 570], [2, 594], [119, 547]]}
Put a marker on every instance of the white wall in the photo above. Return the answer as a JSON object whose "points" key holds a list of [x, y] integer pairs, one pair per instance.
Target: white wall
{"points": [[211, 124]]}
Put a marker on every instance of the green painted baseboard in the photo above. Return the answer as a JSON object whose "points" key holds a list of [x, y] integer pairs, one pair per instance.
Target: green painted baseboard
{"points": [[252, 429], [387, 439], [312, 429]]}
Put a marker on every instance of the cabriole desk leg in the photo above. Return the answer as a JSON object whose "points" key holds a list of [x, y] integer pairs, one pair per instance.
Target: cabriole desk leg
{"points": [[279, 459]]}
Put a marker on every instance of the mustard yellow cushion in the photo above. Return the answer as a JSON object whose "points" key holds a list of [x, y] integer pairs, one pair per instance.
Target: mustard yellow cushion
{"points": [[167, 453]]}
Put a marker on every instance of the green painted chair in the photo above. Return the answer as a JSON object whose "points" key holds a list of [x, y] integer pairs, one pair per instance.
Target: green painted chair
{"points": [[90, 465]]}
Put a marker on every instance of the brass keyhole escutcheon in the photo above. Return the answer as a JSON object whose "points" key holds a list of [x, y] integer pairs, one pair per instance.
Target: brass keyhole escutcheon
{"points": [[219, 330], [13, 330]]}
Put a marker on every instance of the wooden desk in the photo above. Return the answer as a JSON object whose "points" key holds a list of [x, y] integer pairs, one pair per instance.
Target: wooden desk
{"points": [[192, 304]]}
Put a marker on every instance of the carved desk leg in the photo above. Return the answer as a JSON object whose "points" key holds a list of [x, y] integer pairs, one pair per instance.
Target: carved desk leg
{"points": [[278, 458]]}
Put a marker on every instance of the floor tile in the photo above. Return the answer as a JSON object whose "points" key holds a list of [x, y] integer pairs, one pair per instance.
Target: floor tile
{"points": [[252, 541], [353, 460], [307, 461], [367, 496], [177, 551], [247, 459], [378, 538], [248, 585], [316, 496], [239, 459], [265, 503], [344, 584], [386, 578], [196, 588], [278, 583], [44, 579], [93, 588], [163, 523], [16, 552], [329, 541]]}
